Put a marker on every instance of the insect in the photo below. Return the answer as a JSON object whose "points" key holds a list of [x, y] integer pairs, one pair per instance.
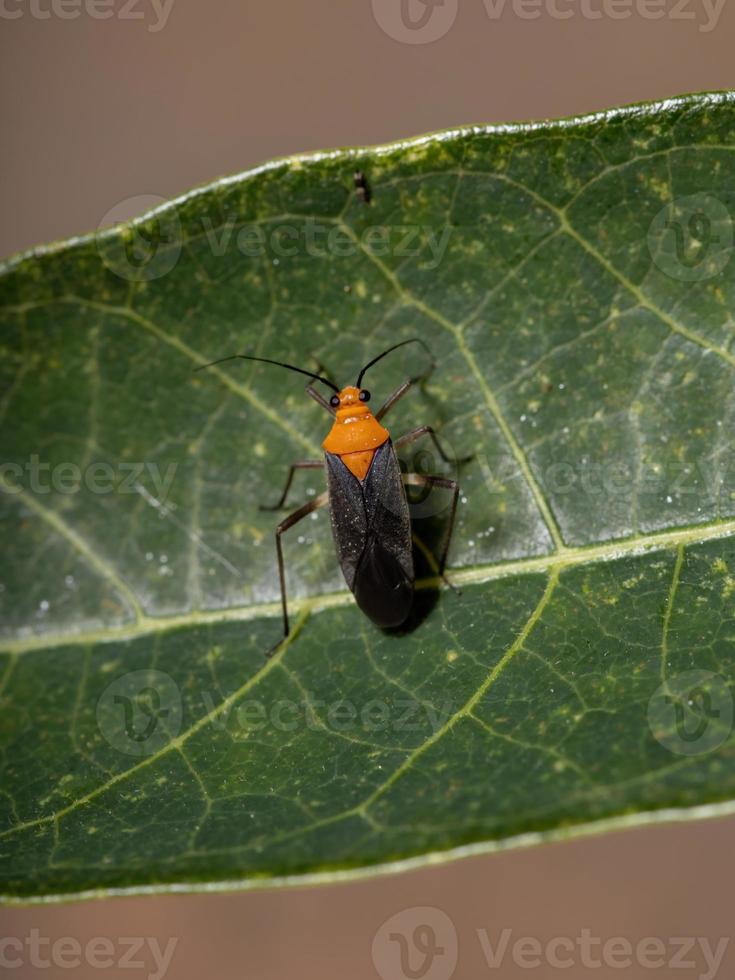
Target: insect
{"points": [[365, 492], [362, 187]]}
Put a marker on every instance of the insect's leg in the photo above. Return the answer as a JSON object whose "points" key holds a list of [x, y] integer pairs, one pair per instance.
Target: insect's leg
{"points": [[401, 391], [422, 480], [392, 399], [285, 524], [426, 430], [302, 464]]}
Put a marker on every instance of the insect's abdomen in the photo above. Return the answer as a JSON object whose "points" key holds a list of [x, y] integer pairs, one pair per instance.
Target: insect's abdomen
{"points": [[381, 587], [372, 533]]}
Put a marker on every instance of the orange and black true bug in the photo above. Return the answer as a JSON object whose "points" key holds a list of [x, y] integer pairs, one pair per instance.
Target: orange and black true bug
{"points": [[365, 491]]}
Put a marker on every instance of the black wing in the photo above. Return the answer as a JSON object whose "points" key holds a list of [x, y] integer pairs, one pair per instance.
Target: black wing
{"points": [[372, 534]]}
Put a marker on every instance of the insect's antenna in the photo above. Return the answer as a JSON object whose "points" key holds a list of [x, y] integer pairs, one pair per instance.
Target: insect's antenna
{"points": [[267, 360], [414, 340]]}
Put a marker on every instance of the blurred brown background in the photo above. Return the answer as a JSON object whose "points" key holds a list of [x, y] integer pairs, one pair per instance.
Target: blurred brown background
{"points": [[161, 96], [97, 111]]}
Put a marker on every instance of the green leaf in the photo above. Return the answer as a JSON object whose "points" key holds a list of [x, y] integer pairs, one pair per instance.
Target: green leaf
{"points": [[575, 283]]}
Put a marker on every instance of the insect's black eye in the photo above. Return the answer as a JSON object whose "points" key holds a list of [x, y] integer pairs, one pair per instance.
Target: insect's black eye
{"points": [[334, 401], [364, 395]]}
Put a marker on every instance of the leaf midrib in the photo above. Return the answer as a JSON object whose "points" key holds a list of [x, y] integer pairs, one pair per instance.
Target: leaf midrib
{"points": [[470, 575], [361, 809]]}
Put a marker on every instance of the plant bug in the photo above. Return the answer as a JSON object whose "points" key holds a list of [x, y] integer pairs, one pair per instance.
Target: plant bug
{"points": [[362, 187], [366, 495]]}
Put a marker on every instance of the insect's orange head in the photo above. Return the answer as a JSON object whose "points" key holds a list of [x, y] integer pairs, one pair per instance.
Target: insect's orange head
{"points": [[351, 403]]}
